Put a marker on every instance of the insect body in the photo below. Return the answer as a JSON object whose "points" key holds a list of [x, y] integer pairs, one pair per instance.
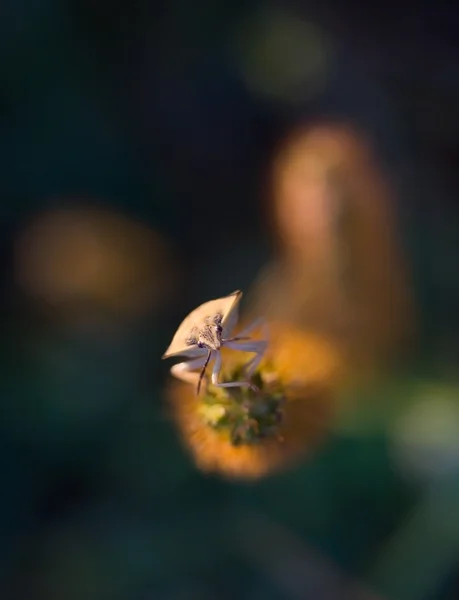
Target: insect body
{"points": [[203, 333]]}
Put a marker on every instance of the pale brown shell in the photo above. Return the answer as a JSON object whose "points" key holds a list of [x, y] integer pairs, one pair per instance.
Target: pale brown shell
{"points": [[196, 320]]}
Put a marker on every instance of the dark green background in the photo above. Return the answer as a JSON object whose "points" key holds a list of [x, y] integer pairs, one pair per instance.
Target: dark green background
{"points": [[142, 106]]}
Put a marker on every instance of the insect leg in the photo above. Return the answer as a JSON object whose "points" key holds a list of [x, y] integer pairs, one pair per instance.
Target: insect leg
{"points": [[257, 324], [185, 371], [256, 346], [203, 371], [216, 372]]}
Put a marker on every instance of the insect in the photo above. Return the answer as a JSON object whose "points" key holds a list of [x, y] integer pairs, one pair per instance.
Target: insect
{"points": [[203, 333]]}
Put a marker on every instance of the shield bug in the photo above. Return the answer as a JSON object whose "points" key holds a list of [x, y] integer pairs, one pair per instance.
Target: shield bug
{"points": [[201, 336]]}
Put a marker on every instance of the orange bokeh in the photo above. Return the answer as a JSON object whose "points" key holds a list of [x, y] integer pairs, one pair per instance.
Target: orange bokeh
{"points": [[340, 268], [93, 258], [310, 371]]}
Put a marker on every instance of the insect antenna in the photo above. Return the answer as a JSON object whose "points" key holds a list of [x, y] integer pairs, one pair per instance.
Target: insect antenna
{"points": [[203, 370]]}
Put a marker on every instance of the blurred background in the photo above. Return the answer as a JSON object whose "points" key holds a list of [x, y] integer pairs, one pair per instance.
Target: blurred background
{"points": [[156, 156]]}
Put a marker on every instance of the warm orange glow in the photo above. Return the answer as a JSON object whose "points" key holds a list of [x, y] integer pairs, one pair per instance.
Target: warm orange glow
{"points": [[92, 257], [305, 358], [340, 267], [309, 370]]}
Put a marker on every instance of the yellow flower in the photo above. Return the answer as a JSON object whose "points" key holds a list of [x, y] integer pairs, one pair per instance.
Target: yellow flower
{"points": [[238, 433]]}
